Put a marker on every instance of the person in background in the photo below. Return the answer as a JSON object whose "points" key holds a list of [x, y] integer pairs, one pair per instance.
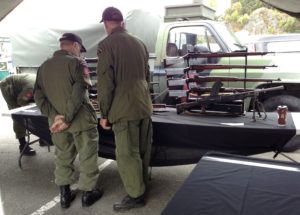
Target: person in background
{"points": [[61, 94], [17, 91], [124, 99]]}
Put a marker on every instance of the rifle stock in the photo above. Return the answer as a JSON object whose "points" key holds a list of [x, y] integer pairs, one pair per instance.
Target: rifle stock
{"points": [[222, 98], [193, 55], [225, 66], [203, 79], [200, 90], [231, 54]]}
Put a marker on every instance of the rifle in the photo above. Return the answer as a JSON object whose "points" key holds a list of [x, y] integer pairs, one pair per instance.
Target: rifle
{"points": [[203, 79], [230, 54], [201, 90], [225, 66], [193, 55], [214, 98]]}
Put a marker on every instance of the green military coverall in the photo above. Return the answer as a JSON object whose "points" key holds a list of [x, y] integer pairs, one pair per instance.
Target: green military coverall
{"points": [[60, 89], [17, 91], [124, 99]]}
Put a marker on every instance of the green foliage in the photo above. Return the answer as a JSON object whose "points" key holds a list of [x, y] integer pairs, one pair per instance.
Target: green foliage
{"points": [[235, 17], [248, 6], [243, 11], [288, 24]]}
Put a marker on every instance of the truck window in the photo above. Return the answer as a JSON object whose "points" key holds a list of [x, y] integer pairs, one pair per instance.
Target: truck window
{"points": [[229, 38], [182, 40]]}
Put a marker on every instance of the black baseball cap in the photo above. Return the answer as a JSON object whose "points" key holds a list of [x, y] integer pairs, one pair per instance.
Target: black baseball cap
{"points": [[74, 38], [112, 14]]}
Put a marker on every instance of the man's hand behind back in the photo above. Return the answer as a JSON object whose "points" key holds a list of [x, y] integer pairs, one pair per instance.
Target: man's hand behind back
{"points": [[59, 124], [104, 123]]}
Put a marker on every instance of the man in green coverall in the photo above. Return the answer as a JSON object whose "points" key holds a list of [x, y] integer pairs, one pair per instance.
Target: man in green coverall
{"points": [[17, 91], [61, 94], [124, 100]]}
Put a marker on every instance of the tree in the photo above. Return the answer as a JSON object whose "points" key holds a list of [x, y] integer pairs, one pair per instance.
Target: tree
{"points": [[235, 17], [248, 6], [257, 18]]}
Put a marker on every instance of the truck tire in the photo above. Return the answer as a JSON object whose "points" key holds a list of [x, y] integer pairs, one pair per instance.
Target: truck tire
{"points": [[292, 102]]}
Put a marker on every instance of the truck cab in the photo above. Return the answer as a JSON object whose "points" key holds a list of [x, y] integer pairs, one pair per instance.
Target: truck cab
{"points": [[176, 39]]}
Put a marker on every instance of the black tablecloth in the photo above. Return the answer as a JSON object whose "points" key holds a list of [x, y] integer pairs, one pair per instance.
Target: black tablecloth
{"points": [[219, 132], [183, 139], [235, 185]]}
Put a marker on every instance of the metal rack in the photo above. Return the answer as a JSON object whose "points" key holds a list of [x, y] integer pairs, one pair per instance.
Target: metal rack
{"points": [[182, 83]]}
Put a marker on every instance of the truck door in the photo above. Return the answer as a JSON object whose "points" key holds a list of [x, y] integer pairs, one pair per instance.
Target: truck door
{"points": [[195, 38], [184, 39]]}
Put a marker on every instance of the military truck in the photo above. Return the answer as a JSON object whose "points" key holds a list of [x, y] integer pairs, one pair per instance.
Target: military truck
{"points": [[197, 34], [185, 28]]}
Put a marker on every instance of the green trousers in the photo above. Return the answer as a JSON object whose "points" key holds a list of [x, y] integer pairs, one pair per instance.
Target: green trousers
{"points": [[133, 152], [67, 146], [11, 102]]}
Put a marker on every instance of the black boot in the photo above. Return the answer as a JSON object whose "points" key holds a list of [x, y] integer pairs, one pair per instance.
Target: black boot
{"points": [[90, 197], [66, 196], [129, 202], [28, 151]]}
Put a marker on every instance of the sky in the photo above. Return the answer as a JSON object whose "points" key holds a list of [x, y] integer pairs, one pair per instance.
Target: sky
{"points": [[74, 12], [222, 5], [41, 12]]}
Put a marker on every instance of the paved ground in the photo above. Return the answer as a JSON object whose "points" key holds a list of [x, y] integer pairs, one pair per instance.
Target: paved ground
{"points": [[31, 190]]}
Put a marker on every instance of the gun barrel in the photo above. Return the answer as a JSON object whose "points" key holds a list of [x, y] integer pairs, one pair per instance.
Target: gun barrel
{"points": [[202, 79], [281, 87], [201, 90], [244, 95], [171, 61], [221, 66], [231, 54]]}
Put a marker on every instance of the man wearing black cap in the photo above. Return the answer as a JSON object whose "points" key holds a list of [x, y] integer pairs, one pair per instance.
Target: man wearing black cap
{"points": [[124, 100], [60, 93]]}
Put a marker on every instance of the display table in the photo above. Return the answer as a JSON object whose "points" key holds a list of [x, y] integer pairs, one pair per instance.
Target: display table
{"points": [[236, 185], [183, 139]]}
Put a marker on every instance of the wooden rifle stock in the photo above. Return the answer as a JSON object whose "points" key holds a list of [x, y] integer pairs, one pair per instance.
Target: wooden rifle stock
{"points": [[203, 79], [221, 66], [191, 55], [222, 98], [218, 54], [201, 90]]}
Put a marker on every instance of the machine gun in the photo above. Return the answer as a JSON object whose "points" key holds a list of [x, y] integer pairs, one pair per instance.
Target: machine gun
{"points": [[215, 98]]}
